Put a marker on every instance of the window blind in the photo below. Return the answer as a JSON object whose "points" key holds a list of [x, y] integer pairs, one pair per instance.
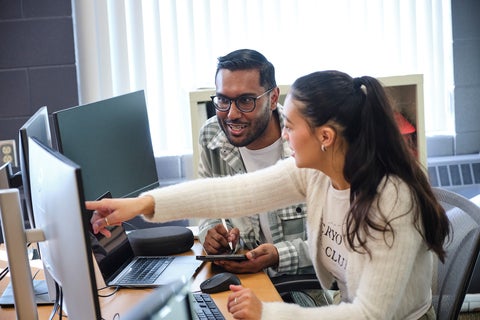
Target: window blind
{"points": [[170, 47]]}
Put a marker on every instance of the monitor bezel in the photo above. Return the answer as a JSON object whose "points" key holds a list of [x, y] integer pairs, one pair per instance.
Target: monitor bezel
{"points": [[58, 205], [37, 125]]}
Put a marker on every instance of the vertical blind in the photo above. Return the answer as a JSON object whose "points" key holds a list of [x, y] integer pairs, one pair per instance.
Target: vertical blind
{"points": [[170, 47]]}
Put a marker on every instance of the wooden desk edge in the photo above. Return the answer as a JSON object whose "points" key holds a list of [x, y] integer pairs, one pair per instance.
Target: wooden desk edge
{"points": [[122, 301]]}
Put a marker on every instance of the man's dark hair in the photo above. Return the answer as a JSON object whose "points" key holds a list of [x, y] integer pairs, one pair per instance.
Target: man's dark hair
{"points": [[245, 59]]}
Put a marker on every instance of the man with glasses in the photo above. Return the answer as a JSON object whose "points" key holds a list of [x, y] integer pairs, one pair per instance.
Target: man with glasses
{"points": [[245, 136]]}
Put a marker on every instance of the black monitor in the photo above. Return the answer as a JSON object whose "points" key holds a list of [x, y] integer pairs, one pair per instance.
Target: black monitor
{"points": [[59, 208], [36, 126], [110, 140]]}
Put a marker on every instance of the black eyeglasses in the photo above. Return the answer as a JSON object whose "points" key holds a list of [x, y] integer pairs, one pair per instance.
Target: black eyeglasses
{"points": [[244, 103]]}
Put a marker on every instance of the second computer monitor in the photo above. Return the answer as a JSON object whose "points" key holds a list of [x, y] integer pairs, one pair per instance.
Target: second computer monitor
{"points": [[37, 126], [110, 140]]}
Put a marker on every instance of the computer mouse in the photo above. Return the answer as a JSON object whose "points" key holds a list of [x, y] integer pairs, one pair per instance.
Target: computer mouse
{"points": [[219, 282]]}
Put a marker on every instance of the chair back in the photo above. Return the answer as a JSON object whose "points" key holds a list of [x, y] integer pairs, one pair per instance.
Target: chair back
{"points": [[463, 247]]}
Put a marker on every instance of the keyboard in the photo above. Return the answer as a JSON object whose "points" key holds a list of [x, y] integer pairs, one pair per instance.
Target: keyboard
{"points": [[205, 308], [146, 270]]}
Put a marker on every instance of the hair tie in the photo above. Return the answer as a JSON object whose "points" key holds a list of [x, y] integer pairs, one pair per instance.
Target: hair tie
{"points": [[358, 84]]}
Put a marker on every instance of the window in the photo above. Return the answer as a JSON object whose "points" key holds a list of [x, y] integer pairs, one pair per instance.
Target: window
{"points": [[170, 47]]}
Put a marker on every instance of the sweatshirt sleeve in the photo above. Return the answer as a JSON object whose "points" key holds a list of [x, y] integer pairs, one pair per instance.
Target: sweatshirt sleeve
{"points": [[230, 196]]}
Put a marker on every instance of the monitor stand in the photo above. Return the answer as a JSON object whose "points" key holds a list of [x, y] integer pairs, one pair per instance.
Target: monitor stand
{"points": [[40, 287], [40, 290], [18, 262]]}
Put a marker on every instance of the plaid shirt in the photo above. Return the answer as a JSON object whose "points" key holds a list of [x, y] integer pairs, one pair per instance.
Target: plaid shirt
{"points": [[220, 158]]}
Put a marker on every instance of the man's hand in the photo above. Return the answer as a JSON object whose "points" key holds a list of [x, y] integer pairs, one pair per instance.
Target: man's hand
{"points": [[264, 256], [217, 238]]}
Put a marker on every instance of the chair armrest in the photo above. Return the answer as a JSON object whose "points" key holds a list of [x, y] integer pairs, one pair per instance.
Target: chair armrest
{"points": [[287, 283]]}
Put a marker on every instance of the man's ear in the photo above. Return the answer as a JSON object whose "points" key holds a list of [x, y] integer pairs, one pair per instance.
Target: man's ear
{"points": [[274, 95]]}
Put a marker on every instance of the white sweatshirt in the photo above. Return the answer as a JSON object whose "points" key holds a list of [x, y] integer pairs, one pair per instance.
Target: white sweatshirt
{"points": [[395, 283]]}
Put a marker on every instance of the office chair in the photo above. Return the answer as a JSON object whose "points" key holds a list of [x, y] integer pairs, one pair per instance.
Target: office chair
{"points": [[453, 277], [303, 290], [299, 282], [289, 288]]}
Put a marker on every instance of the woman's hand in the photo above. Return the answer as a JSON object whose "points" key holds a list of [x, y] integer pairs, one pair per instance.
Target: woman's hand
{"points": [[109, 212], [244, 304]]}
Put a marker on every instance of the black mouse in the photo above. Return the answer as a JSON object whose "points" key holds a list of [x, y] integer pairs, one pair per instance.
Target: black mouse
{"points": [[219, 282]]}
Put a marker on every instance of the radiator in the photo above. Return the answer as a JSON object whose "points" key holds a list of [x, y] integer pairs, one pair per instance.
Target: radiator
{"points": [[460, 174]]}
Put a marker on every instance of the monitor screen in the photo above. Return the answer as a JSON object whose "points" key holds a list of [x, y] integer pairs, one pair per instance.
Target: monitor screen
{"points": [[36, 126], [110, 140], [59, 209]]}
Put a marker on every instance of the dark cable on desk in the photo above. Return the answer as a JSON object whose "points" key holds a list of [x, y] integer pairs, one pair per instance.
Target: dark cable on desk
{"points": [[115, 289], [3, 273], [115, 316], [35, 274], [56, 304], [60, 311]]}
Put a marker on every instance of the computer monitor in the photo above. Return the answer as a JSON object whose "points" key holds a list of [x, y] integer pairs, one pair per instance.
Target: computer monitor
{"points": [[58, 206], [37, 126], [110, 140], [169, 302]]}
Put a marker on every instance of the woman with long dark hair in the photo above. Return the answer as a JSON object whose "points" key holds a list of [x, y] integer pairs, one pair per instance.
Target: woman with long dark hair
{"points": [[373, 222]]}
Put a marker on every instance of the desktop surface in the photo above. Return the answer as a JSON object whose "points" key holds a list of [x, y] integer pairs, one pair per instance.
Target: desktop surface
{"points": [[124, 300]]}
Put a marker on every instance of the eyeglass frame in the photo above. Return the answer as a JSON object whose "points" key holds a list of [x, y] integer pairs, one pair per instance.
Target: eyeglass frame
{"points": [[236, 101]]}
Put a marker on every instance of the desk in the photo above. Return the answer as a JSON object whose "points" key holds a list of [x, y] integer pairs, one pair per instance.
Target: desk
{"points": [[124, 299]]}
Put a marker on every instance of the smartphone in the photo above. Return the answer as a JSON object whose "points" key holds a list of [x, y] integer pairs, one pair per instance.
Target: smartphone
{"points": [[216, 257]]}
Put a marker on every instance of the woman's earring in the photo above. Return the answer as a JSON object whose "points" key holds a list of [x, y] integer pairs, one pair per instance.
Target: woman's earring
{"points": [[323, 148]]}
